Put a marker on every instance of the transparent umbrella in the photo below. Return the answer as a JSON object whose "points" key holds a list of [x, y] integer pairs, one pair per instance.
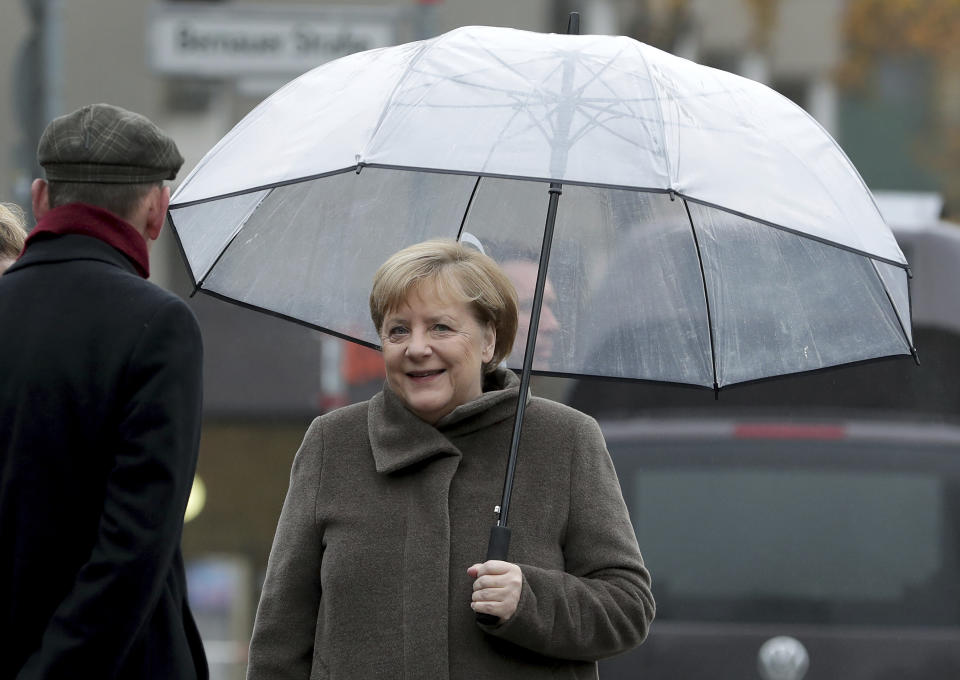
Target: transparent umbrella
{"points": [[700, 228]]}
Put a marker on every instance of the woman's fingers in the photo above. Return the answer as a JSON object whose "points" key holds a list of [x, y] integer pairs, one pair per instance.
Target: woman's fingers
{"points": [[496, 588]]}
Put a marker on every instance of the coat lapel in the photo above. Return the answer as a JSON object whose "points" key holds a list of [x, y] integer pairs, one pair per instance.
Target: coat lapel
{"points": [[399, 438]]}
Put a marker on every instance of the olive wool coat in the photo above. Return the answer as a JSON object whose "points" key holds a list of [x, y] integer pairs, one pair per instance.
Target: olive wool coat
{"points": [[367, 576]]}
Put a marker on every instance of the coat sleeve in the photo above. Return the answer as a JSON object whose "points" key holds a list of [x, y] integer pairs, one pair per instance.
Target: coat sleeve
{"points": [[601, 603], [118, 588], [283, 633]]}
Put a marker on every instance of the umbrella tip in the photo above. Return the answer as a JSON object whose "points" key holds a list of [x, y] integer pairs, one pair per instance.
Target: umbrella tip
{"points": [[916, 357], [573, 24]]}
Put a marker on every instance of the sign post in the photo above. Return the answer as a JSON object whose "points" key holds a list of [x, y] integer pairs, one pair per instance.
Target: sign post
{"points": [[240, 41]]}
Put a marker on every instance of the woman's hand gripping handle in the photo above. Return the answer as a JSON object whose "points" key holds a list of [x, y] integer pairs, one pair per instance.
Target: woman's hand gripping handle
{"points": [[497, 584]]}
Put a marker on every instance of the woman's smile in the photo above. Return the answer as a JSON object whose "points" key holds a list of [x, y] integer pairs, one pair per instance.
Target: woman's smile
{"points": [[422, 375]]}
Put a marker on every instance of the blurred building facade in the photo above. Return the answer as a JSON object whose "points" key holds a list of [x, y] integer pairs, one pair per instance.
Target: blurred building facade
{"points": [[265, 378]]}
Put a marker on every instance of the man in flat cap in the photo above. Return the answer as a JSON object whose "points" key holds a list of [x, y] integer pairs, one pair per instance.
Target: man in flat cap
{"points": [[100, 391]]}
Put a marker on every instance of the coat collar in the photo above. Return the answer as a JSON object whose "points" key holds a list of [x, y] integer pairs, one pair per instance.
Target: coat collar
{"points": [[89, 220], [400, 439], [71, 247]]}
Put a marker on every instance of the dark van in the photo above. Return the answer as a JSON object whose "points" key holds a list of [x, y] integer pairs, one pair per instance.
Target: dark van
{"points": [[816, 550]]}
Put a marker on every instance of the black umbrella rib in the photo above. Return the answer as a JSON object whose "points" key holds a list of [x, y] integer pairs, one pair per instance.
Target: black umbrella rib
{"points": [[896, 314], [706, 297], [286, 317], [913, 350], [439, 171], [795, 232], [525, 178], [466, 212], [199, 283], [183, 254], [264, 187]]}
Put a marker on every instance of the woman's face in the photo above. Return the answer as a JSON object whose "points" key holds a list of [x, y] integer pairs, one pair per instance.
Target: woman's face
{"points": [[434, 351]]}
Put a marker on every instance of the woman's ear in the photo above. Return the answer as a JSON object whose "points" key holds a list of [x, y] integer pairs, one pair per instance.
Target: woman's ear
{"points": [[489, 343]]}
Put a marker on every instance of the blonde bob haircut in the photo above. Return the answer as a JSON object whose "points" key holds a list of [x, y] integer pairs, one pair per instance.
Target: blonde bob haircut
{"points": [[12, 231], [459, 273]]}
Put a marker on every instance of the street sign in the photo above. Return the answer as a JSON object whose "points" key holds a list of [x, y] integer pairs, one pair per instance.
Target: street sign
{"points": [[231, 40]]}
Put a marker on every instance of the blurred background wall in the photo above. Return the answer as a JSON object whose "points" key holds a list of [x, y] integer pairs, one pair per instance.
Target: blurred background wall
{"points": [[883, 77]]}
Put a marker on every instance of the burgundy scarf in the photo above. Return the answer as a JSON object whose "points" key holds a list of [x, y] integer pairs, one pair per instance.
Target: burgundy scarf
{"points": [[89, 220]]}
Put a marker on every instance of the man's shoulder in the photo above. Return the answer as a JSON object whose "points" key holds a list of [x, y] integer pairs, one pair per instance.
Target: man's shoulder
{"points": [[124, 305], [151, 301], [157, 295]]}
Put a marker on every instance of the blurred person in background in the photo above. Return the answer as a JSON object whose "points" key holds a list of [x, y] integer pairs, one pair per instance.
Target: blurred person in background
{"points": [[373, 572], [12, 234], [100, 395], [523, 273], [521, 264]]}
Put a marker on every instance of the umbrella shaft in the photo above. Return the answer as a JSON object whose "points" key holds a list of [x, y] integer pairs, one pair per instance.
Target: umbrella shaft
{"points": [[555, 191]]}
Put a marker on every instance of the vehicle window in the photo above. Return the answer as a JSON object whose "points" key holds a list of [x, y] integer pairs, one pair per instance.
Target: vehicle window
{"points": [[765, 544]]}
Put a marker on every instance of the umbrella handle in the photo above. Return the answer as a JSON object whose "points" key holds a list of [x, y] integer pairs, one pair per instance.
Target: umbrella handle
{"points": [[497, 549]]}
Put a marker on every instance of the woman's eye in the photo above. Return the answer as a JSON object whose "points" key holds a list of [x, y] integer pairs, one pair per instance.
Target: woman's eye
{"points": [[397, 333], [441, 328]]}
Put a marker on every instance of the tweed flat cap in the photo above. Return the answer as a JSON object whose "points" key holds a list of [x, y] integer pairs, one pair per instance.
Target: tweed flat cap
{"points": [[106, 144]]}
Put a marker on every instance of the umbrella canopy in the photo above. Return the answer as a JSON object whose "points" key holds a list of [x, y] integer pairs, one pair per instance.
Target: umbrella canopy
{"points": [[709, 232]]}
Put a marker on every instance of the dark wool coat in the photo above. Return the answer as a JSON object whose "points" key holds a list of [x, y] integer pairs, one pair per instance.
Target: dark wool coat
{"points": [[368, 579], [100, 388]]}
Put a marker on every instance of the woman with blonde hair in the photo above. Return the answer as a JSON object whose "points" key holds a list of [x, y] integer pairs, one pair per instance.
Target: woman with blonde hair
{"points": [[12, 234], [376, 571]]}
